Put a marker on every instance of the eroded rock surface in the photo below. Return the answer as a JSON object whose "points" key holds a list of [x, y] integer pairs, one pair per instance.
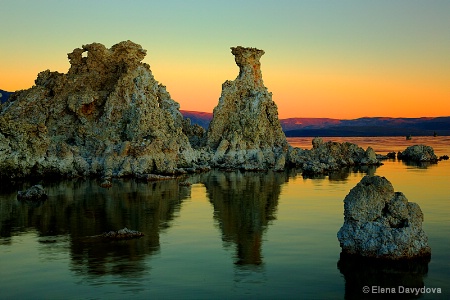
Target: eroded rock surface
{"points": [[245, 131], [107, 116], [381, 223], [330, 156]]}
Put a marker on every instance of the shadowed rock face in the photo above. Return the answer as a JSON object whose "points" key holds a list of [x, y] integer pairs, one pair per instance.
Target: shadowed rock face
{"points": [[381, 223], [106, 116], [245, 130]]}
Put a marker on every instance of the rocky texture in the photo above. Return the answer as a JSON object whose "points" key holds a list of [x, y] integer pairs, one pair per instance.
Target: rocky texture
{"points": [[34, 193], [245, 131], [324, 157], [107, 116], [381, 223], [418, 153]]}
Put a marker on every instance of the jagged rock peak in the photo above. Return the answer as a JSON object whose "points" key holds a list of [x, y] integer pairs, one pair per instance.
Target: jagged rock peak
{"points": [[247, 60]]}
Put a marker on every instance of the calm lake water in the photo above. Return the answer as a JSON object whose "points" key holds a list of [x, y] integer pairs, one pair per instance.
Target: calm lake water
{"points": [[228, 235]]}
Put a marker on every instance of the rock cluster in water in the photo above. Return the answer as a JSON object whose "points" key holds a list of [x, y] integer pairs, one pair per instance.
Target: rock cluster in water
{"points": [[109, 117], [329, 156], [381, 223]]}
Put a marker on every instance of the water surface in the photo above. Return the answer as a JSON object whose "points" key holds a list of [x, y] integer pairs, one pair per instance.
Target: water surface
{"points": [[228, 235]]}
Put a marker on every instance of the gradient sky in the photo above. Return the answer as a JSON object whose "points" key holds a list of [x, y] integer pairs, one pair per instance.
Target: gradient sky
{"points": [[335, 59]]}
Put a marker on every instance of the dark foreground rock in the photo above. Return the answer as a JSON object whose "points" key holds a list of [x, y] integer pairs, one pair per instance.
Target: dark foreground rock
{"points": [[34, 193], [381, 223]]}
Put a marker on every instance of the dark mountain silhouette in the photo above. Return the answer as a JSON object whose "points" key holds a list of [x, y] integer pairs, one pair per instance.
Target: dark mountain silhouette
{"points": [[374, 126], [4, 96]]}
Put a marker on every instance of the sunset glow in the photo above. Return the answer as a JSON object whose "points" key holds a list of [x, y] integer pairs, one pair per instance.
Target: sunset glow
{"points": [[322, 59]]}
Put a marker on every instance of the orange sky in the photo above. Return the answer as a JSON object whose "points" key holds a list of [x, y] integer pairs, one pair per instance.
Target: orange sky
{"points": [[322, 60]]}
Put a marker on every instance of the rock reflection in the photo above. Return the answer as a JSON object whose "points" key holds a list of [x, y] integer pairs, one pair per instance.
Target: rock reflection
{"points": [[365, 272], [419, 164], [244, 204], [82, 209]]}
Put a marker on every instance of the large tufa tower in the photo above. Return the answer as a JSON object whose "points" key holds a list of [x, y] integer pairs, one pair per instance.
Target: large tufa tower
{"points": [[245, 131]]}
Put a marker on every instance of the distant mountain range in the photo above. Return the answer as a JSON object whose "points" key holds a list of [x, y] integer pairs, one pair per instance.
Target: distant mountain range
{"points": [[4, 96], [311, 127], [200, 118], [376, 126]]}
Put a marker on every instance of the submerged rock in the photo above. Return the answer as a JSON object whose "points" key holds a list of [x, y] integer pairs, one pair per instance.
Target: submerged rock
{"points": [[245, 131], [381, 223], [418, 153], [107, 116], [324, 157], [34, 193], [121, 234]]}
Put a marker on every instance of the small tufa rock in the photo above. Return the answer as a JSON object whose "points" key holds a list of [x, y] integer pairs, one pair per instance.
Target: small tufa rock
{"points": [[381, 223], [418, 153], [34, 193], [122, 234], [391, 155]]}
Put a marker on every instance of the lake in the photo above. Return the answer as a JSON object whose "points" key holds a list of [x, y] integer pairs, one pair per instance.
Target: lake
{"points": [[229, 235]]}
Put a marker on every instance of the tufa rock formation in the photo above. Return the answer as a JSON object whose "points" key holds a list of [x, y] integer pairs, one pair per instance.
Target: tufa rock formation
{"points": [[245, 131], [381, 223], [329, 156], [107, 116], [418, 153]]}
